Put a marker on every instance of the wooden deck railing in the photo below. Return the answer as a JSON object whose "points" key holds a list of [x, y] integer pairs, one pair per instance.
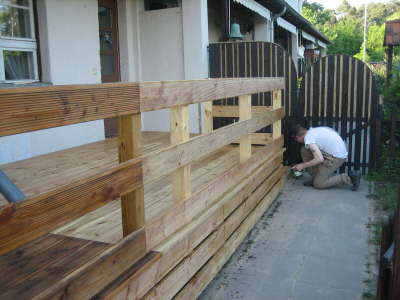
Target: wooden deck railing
{"points": [[29, 109]]}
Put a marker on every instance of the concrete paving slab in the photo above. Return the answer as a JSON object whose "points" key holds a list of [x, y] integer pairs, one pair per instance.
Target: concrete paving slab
{"points": [[311, 244]]}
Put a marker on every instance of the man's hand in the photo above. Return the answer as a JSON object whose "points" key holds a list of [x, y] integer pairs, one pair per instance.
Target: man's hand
{"points": [[298, 167]]}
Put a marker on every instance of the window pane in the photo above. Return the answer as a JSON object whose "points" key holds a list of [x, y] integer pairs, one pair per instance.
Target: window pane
{"points": [[18, 65], [107, 64], [15, 22], [105, 17], [106, 41]]}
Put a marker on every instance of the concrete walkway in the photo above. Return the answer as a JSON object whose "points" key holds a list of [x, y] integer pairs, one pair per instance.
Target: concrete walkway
{"points": [[310, 245]]}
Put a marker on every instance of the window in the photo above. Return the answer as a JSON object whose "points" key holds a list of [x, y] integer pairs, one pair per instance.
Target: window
{"points": [[18, 55], [160, 4]]}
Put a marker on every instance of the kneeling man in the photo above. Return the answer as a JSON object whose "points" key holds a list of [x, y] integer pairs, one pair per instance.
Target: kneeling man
{"points": [[323, 153]]}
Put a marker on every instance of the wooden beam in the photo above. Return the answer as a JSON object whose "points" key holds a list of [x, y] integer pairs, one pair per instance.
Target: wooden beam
{"points": [[191, 264], [245, 114], [24, 221], [165, 94], [27, 220], [91, 278], [186, 240], [180, 214], [164, 161], [208, 117], [202, 278], [277, 125], [129, 147], [33, 108], [179, 132], [228, 111]]}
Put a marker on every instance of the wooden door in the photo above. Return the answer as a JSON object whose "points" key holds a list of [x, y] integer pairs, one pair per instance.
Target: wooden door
{"points": [[109, 51]]}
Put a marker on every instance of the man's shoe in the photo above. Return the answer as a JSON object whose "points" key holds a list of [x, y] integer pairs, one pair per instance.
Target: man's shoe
{"points": [[355, 177], [308, 183]]}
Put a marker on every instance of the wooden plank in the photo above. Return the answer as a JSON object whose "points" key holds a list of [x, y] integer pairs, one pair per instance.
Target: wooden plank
{"points": [[208, 116], [178, 215], [89, 279], [245, 114], [24, 221], [41, 263], [177, 278], [33, 108], [129, 147], [200, 281], [233, 111], [165, 94], [38, 215], [277, 125], [166, 160], [119, 285], [186, 240], [179, 132]]}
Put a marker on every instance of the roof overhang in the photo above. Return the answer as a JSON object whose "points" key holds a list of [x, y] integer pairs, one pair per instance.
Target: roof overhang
{"points": [[256, 7], [293, 17]]}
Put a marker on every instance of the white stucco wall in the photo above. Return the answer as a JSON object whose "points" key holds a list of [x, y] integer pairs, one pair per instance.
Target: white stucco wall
{"points": [[69, 46], [262, 29]]}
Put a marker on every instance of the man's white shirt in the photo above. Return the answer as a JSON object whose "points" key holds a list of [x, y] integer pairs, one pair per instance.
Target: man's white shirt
{"points": [[327, 140]]}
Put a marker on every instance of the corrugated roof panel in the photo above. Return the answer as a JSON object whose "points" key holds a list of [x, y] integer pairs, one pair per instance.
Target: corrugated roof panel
{"points": [[256, 7]]}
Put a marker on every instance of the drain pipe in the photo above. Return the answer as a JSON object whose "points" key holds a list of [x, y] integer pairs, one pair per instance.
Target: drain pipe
{"points": [[273, 20], [9, 190]]}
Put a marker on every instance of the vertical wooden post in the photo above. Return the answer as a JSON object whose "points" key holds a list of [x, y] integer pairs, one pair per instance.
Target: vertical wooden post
{"points": [[180, 133], [130, 146], [276, 103], [208, 117], [245, 114]]}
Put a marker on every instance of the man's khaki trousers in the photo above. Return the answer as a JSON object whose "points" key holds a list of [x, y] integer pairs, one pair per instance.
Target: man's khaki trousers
{"points": [[322, 173]]}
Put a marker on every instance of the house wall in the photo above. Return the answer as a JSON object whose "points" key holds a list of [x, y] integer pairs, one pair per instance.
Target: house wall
{"points": [[68, 52]]}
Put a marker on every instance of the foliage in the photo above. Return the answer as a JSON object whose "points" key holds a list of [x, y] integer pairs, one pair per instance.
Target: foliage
{"points": [[344, 27]]}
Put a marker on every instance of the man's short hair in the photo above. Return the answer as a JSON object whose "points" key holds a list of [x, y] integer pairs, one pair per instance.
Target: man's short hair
{"points": [[296, 130]]}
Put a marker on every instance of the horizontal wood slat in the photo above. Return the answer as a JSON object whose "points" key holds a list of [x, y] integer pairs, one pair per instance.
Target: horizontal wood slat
{"points": [[164, 94], [229, 111], [27, 220], [24, 221], [92, 277], [35, 108], [180, 214], [166, 160]]}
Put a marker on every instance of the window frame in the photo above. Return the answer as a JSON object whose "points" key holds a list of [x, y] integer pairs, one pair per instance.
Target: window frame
{"points": [[8, 43]]}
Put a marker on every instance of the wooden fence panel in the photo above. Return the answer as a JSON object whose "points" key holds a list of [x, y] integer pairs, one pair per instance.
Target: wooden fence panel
{"points": [[339, 91]]}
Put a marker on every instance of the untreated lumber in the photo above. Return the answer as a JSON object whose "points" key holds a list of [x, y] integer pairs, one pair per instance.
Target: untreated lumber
{"points": [[92, 277], [165, 94], [178, 215], [179, 132], [129, 147], [245, 114], [277, 103], [232, 111], [166, 160], [201, 279], [208, 116], [188, 267], [189, 237], [24, 221], [119, 285], [29, 219], [34, 108]]}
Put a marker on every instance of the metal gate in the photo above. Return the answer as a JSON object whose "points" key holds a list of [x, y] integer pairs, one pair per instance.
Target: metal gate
{"points": [[339, 91], [254, 59]]}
